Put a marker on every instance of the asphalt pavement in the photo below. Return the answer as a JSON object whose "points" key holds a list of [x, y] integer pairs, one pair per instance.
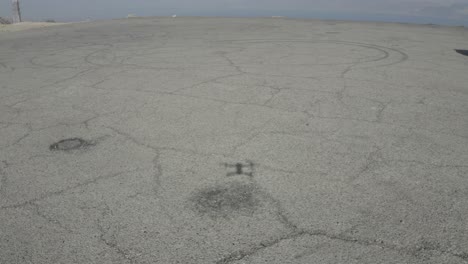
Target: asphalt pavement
{"points": [[234, 140]]}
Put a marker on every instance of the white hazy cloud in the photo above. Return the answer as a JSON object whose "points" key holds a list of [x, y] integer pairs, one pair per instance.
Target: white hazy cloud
{"points": [[463, 12], [95, 9], [404, 7], [453, 11]]}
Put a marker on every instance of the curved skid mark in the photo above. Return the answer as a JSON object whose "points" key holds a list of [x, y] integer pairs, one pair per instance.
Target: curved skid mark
{"points": [[34, 60], [88, 57], [385, 50]]}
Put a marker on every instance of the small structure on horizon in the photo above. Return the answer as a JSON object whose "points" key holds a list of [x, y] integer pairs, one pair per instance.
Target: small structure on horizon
{"points": [[16, 11]]}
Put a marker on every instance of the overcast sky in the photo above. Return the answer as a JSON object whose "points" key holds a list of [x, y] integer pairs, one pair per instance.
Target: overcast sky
{"points": [[453, 12]]}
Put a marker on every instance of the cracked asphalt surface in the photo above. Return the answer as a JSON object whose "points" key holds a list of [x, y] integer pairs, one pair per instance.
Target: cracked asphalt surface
{"points": [[222, 140]]}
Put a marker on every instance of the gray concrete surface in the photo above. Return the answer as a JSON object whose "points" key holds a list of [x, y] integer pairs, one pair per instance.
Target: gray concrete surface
{"points": [[211, 140]]}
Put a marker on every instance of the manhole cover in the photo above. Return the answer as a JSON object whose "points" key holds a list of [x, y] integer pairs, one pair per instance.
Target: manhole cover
{"points": [[462, 52], [69, 144]]}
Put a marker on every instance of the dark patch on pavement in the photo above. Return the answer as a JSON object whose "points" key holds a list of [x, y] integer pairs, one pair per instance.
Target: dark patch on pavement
{"points": [[462, 52], [227, 200], [240, 169], [70, 144]]}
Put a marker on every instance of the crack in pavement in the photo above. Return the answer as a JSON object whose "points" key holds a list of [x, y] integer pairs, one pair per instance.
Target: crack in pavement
{"points": [[296, 232], [371, 160], [205, 82], [60, 192], [434, 165], [242, 254], [3, 177], [114, 57], [111, 242], [305, 112], [38, 212], [80, 73]]}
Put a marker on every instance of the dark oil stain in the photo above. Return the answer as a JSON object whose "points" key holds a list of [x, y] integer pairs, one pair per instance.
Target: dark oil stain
{"points": [[226, 201], [70, 144], [462, 52]]}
